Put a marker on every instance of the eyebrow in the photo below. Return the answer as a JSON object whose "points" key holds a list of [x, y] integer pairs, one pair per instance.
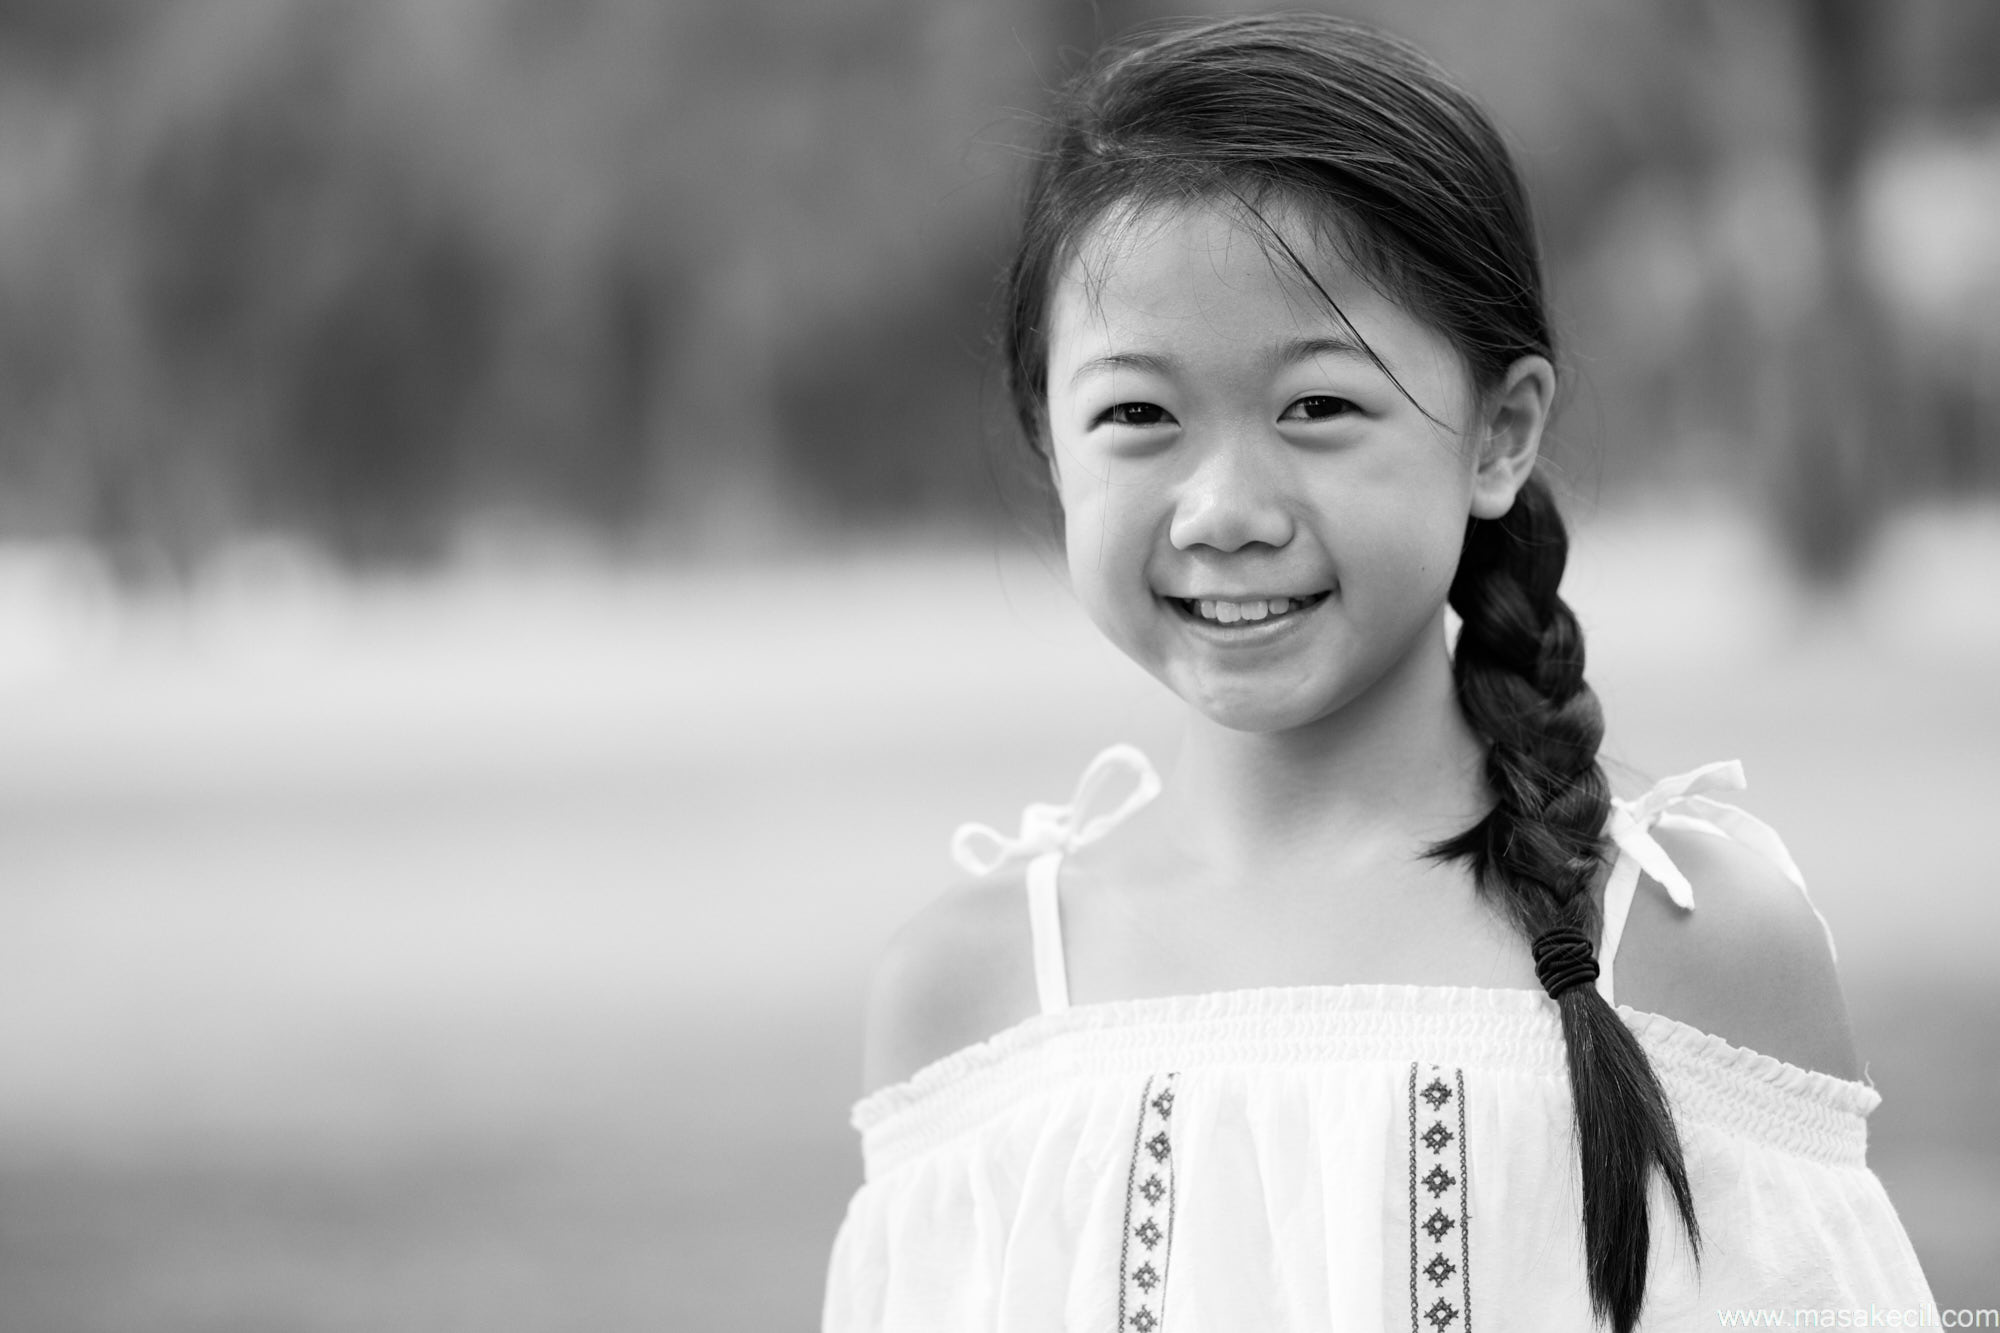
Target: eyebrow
{"points": [[1291, 353]]}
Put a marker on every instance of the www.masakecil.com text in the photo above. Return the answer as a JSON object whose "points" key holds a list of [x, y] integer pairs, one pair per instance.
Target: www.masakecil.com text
{"points": [[1859, 1316]]}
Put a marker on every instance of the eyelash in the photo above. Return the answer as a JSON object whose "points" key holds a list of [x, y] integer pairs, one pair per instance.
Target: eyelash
{"points": [[1343, 404], [1119, 414]]}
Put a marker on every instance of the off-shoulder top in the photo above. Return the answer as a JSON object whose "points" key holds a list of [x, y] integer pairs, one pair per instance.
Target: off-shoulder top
{"points": [[1358, 1157]]}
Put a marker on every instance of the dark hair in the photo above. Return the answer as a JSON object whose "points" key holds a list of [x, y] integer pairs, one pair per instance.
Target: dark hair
{"points": [[1366, 136]]}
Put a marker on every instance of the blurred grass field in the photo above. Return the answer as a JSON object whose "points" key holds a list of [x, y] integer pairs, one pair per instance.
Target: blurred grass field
{"points": [[486, 952]]}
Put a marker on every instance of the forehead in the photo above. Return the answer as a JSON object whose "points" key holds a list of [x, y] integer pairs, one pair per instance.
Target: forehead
{"points": [[1174, 260], [1213, 277]]}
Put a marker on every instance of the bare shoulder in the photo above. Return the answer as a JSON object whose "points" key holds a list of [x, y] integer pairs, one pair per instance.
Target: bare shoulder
{"points": [[1749, 964], [956, 973]]}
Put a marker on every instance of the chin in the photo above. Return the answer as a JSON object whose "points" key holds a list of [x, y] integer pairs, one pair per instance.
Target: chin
{"points": [[1260, 712]]}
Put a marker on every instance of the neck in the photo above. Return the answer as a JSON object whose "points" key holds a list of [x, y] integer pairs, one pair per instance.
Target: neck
{"points": [[1388, 773]]}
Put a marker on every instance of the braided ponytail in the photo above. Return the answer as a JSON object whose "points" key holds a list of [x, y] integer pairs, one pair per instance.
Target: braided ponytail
{"points": [[1519, 672]]}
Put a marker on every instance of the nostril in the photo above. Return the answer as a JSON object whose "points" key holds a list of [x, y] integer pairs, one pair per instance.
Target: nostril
{"points": [[1229, 520]]}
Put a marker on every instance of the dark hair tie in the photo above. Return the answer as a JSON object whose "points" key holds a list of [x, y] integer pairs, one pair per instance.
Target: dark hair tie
{"points": [[1564, 959]]}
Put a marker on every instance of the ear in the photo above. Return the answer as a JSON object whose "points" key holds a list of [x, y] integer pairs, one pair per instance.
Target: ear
{"points": [[1508, 435]]}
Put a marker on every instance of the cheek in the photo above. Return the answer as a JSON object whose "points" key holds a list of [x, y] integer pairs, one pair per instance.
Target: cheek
{"points": [[1103, 549], [1405, 529], [1107, 539]]}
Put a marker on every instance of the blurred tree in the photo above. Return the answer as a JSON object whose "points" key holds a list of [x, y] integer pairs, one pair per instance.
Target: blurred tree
{"points": [[53, 39], [1836, 452], [314, 303]]}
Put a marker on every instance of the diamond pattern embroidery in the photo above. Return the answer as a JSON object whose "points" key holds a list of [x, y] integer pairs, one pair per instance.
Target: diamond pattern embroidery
{"points": [[1440, 1248], [1442, 1314], [1149, 1213]]}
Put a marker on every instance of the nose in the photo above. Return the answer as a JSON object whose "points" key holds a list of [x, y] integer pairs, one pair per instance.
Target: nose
{"points": [[1237, 496]]}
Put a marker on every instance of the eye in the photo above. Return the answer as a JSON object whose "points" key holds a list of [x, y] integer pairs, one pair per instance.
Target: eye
{"points": [[1318, 407], [1134, 414]]}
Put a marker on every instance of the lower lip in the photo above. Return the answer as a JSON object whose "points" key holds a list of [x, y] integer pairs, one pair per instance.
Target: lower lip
{"points": [[1246, 633]]}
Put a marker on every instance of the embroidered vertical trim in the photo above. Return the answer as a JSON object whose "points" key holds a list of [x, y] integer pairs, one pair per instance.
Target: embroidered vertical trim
{"points": [[1440, 1243], [1149, 1212]]}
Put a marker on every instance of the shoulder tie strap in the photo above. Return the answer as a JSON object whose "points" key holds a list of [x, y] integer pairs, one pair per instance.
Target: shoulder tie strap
{"points": [[980, 850], [1047, 833], [1682, 802]]}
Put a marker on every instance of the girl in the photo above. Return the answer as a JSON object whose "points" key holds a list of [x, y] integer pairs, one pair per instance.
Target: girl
{"points": [[1325, 1037]]}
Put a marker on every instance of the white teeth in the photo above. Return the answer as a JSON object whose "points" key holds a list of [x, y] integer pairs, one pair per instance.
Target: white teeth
{"points": [[1228, 613]]}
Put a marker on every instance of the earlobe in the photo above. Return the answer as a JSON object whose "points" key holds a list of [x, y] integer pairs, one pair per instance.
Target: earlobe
{"points": [[1510, 435]]}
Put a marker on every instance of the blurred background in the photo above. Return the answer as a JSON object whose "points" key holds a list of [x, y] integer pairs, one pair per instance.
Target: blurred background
{"points": [[512, 562]]}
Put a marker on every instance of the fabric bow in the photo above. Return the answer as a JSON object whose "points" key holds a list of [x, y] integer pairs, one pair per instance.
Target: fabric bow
{"points": [[1683, 803], [980, 849]]}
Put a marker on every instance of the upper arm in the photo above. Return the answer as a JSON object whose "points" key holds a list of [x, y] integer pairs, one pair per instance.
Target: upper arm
{"points": [[1749, 964], [957, 972]]}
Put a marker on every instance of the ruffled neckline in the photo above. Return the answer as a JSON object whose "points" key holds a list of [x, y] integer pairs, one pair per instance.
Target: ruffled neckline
{"points": [[1512, 1028]]}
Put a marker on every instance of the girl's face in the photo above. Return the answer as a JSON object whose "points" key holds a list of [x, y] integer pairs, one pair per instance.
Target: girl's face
{"points": [[1254, 511]]}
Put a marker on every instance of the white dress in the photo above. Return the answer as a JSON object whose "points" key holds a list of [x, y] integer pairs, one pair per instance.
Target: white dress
{"points": [[1363, 1157]]}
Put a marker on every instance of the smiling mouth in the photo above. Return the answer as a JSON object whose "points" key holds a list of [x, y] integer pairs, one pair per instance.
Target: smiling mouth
{"points": [[1254, 611]]}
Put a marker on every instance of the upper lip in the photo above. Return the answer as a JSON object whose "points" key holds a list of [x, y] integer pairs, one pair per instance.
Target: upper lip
{"points": [[1244, 596]]}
